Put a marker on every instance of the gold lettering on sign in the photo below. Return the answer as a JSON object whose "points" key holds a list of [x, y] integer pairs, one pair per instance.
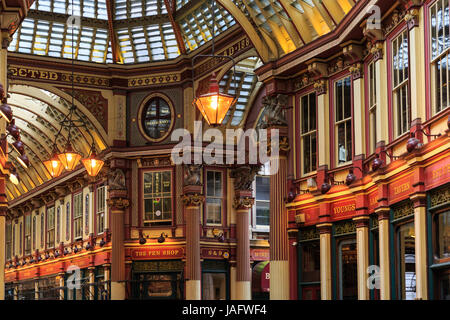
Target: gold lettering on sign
{"points": [[401, 188], [373, 201], [439, 172], [33, 73], [343, 209]]}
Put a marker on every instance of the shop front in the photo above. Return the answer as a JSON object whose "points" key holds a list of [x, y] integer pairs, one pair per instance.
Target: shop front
{"points": [[157, 273], [260, 273], [309, 262], [439, 242]]}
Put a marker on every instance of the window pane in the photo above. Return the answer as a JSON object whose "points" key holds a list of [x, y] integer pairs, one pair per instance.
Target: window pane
{"points": [[262, 188], [407, 265], [442, 249], [262, 213]]}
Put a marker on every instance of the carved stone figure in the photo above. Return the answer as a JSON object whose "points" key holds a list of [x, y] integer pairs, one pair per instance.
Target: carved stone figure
{"points": [[116, 180], [192, 175], [244, 176], [274, 110]]}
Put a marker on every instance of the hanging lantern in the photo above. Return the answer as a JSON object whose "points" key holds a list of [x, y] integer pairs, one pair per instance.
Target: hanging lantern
{"points": [[92, 164], [214, 105], [54, 166], [69, 158]]}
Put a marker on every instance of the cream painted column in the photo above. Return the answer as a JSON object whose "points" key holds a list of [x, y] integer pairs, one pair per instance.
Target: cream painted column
{"points": [[278, 237], [91, 283], [192, 199], [233, 280], [106, 279], [358, 109], [362, 252], [417, 62], [420, 230], [232, 218], [61, 285], [323, 128], [381, 96], [325, 260], [383, 235], [36, 289]]}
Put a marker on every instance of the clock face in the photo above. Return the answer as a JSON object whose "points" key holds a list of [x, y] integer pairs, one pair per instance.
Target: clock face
{"points": [[158, 213], [156, 118]]}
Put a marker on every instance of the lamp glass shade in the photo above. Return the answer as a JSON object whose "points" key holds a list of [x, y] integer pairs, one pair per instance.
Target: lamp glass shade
{"points": [[69, 158], [19, 147], [23, 160], [14, 178], [54, 166], [6, 112], [92, 165], [214, 107]]}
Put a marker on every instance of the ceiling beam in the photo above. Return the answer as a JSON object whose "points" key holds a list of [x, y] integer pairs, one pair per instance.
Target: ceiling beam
{"points": [[115, 48], [176, 27]]}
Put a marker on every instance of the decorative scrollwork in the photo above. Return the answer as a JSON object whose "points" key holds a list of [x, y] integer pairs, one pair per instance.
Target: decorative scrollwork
{"points": [[440, 196], [309, 234], [193, 199], [404, 210], [244, 176], [118, 203], [345, 227]]}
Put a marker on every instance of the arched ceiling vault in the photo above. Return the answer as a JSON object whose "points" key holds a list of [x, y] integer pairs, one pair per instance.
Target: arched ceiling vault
{"points": [[38, 113]]}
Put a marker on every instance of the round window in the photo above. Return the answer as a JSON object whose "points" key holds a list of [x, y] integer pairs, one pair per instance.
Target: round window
{"points": [[156, 116]]}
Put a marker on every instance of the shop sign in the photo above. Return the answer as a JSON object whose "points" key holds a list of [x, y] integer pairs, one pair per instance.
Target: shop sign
{"points": [[10, 276], [50, 269], [343, 209], [260, 254], [400, 189], [373, 201], [80, 263], [158, 266], [27, 274], [157, 253], [208, 253], [437, 174]]}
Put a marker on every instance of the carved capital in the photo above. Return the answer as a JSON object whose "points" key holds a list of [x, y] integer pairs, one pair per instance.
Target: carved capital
{"points": [[320, 86], [118, 203], [412, 18], [192, 175], [356, 71], [377, 51], [192, 200], [274, 110], [243, 202]]}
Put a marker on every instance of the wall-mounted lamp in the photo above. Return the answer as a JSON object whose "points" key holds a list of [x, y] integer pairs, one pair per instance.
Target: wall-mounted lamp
{"points": [[414, 143], [162, 237], [13, 130], [377, 162], [351, 177], [6, 112], [142, 239], [326, 186]]}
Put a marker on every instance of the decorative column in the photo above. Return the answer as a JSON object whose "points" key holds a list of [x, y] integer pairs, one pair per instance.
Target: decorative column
{"points": [[420, 230], [362, 251], [60, 277], [91, 283], [106, 279], [3, 210], [325, 260], [192, 199], [117, 203], [243, 177], [383, 235], [278, 237], [417, 77]]}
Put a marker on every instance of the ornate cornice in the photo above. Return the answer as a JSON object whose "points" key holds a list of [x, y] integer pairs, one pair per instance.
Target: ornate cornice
{"points": [[320, 86], [356, 70]]}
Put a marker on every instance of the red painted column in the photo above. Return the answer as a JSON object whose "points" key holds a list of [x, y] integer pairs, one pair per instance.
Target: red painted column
{"points": [[192, 199]]}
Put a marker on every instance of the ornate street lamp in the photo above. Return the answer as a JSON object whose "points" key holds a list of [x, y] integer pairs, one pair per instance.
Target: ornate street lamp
{"points": [[92, 164], [214, 105]]}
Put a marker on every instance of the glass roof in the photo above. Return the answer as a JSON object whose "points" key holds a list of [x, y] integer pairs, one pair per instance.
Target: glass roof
{"points": [[141, 30]]}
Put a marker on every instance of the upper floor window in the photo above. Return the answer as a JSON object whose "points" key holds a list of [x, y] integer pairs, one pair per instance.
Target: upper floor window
{"points": [[156, 117], [51, 227], [214, 196], [20, 238], [343, 120], [372, 93], [78, 215], [400, 73], [308, 132], [440, 54], [8, 240], [27, 234], [262, 201], [42, 230], [101, 209], [34, 232], [158, 197]]}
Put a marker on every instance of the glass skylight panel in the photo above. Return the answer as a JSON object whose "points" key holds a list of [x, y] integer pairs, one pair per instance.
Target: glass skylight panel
{"points": [[181, 3]]}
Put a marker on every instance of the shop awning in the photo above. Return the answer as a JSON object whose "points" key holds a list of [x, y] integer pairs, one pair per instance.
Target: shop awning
{"points": [[261, 277]]}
